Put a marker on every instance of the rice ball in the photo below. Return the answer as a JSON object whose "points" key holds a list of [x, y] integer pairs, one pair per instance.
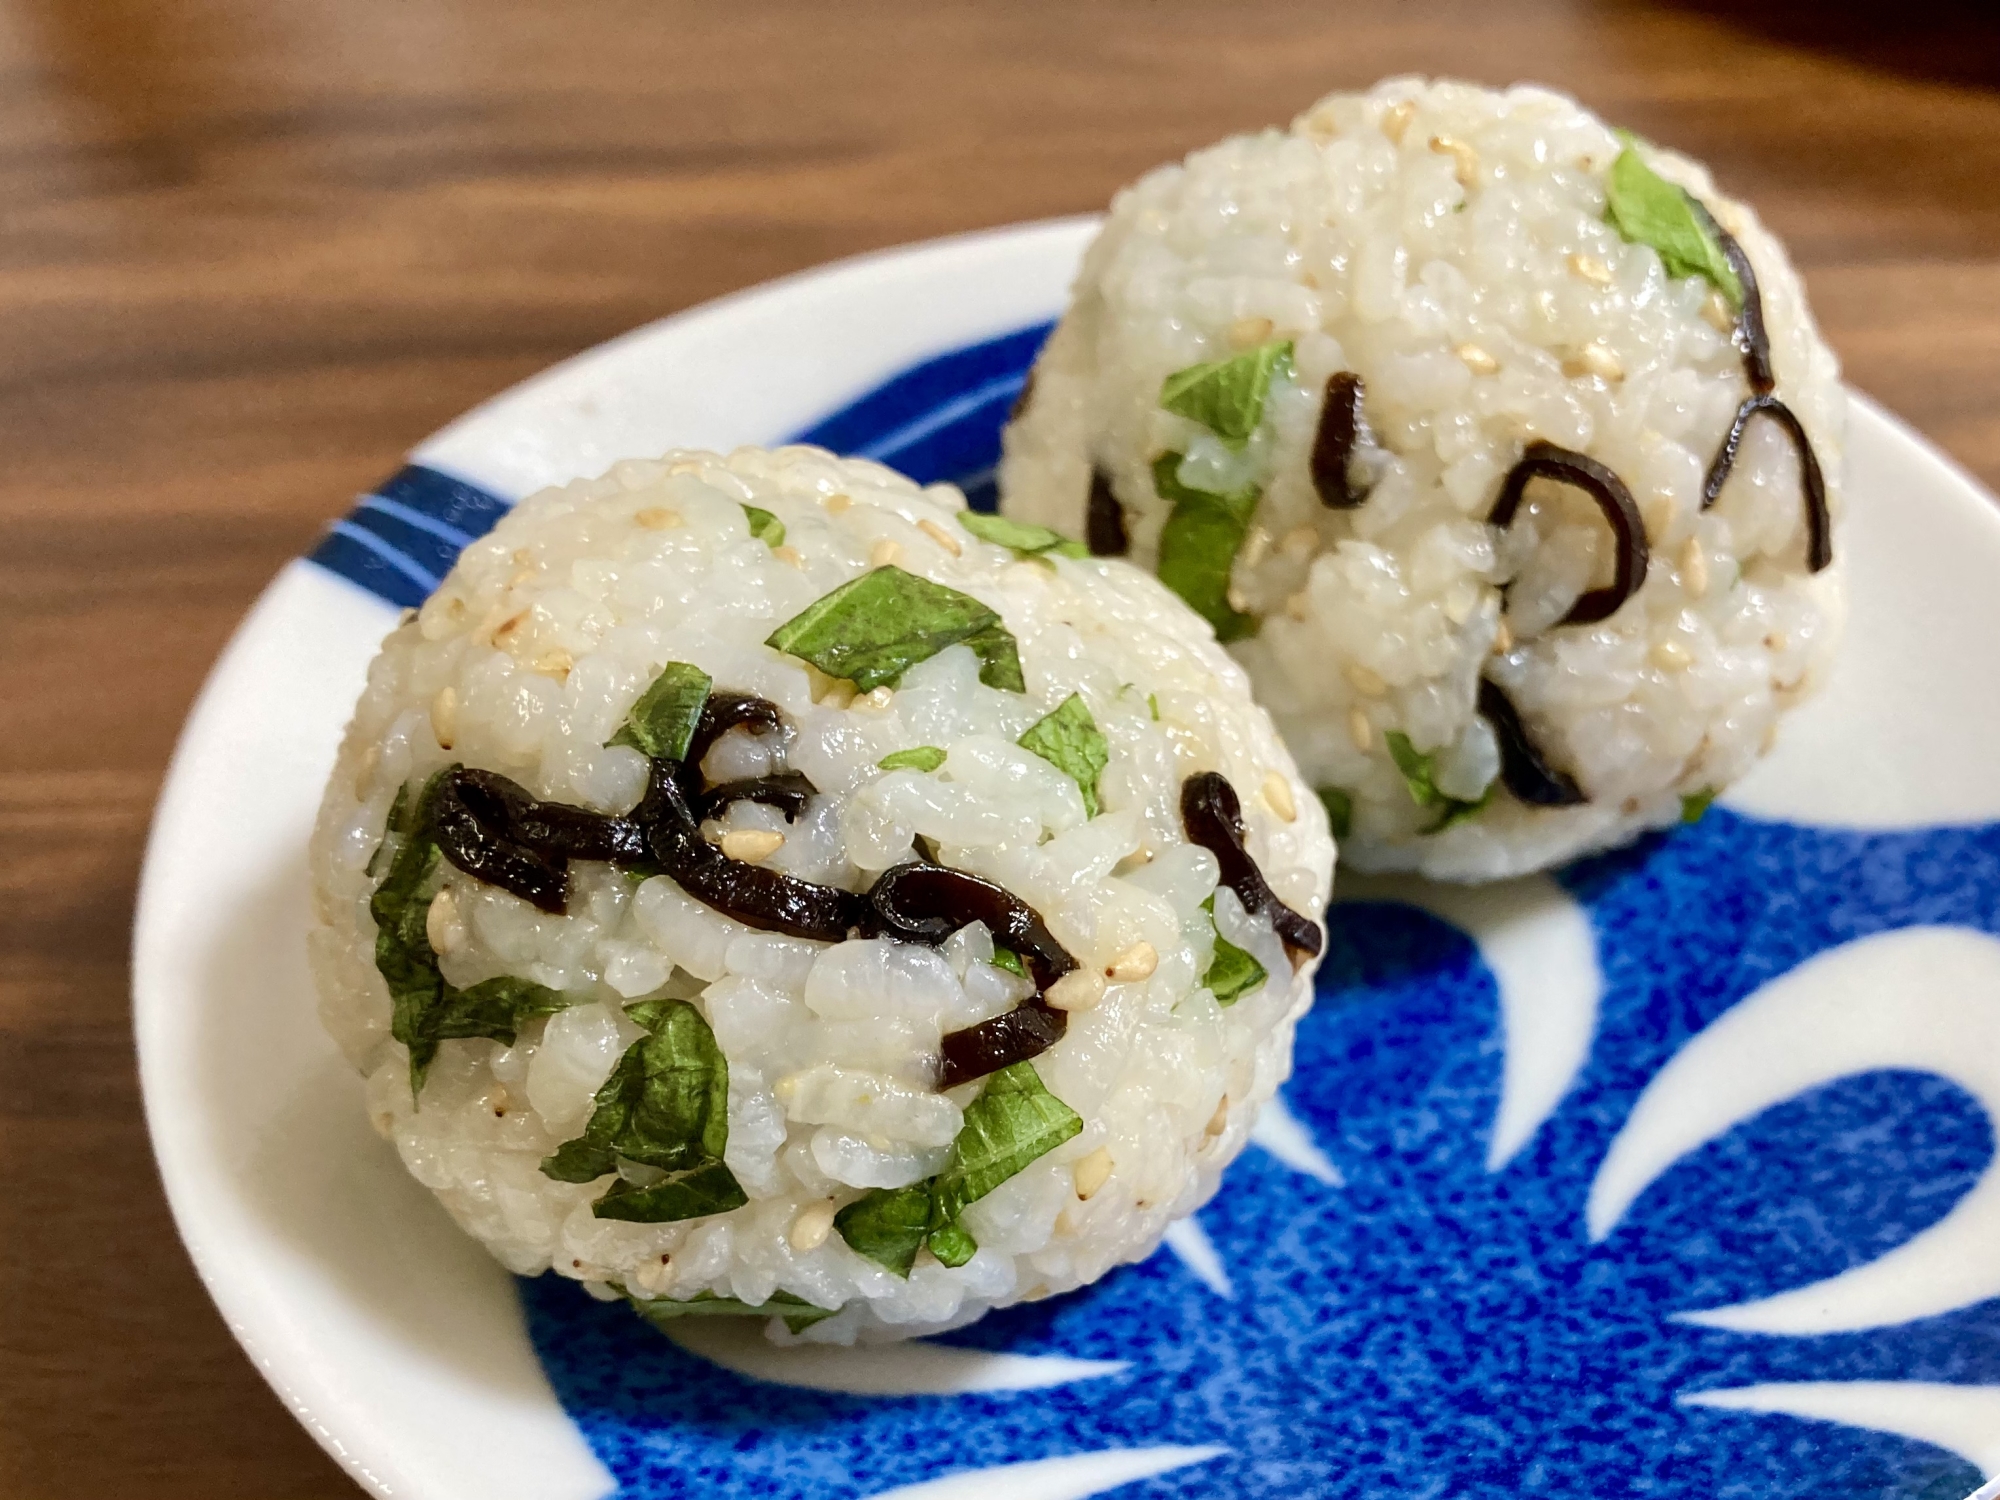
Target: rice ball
{"points": [[758, 886], [1499, 446]]}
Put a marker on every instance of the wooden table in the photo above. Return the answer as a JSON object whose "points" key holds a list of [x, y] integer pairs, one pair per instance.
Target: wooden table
{"points": [[250, 251]]}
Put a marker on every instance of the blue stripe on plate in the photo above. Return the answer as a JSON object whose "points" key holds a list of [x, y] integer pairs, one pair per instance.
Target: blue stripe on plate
{"points": [[938, 420]]}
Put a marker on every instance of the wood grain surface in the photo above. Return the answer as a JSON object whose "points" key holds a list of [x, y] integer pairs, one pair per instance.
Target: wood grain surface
{"points": [[251, 251]]}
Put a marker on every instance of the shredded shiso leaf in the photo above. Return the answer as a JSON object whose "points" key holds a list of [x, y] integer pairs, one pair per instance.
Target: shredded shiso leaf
{"points": [[1008, 959], [764, 526], [1014, 1122], [659, 1311], [661, 724], [1068, 739], [1232, 973], [1027, 539], [916, 758], [1199, 543], [1227, 395], [1694, 804], [1649, 210], [1417, 776], [875, 628], [1339, 804]]}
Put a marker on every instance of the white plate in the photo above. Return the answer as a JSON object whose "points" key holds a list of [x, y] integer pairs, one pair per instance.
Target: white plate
{"points": [[1662, 1094]]}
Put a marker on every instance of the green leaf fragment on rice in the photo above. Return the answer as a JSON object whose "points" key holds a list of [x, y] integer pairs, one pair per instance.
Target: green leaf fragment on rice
{"points": [[1027, 539], [1199, 543], [1008, 959], [1649, 210], [426, 1010], [1339, 804], [764, 526], [1418, 776], [1696, 803], [660, 1311], [873, 629], [665, 1106], [916, 758], [1227, 395], [1232, 973], [1068, 739], [1014, 1122], [662, 723]]}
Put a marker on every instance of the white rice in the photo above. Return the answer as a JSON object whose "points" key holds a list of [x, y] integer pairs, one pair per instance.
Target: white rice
{"points": [[1449, 244], [527, 660]]}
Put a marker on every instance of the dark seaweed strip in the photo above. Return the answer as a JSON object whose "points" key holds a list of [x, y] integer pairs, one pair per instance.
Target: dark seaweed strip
{"points": [[1340, 426], [1751, 336], [1104, 524], [1213, 818], [927, 903], [1819, 522], [1566, 466], [1026, 1031], [724, 712], [472, 818], [788, 791], [1522, 769]]}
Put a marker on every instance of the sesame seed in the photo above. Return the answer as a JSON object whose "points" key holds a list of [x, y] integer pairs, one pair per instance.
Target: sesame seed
{"points": [[811, 1227], [524, 575], [1300, 541], [876, 699], [555, 663], [1594, 360], [1079, 989], [1503, 638], [657, 518], [1778, 641], [1670, 656], [1236, 601], [1359, 729], [1135, 963], [752, 845], [1247, 333], [441, 927], [1694, 568], [1219, 1121], [884, 552], [1366, 680], [1256, 546], [1396, 119], [444, 717], [1461, 601], [942, 537], [1476, 359], [1591, 269], [835, 504], [1278, 796], [1092, 1173], [791, 557], [1718, 314], [1465, 160]]}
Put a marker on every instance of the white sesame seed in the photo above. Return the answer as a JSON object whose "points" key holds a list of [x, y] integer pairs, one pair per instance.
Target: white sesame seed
{"points": [[1079, 989], [1359, 729], [752, 845], [1135, 963], [444, 717], [656, 518], [1694, 568], [1278, 794], [1591, 269], [1219, 1121], [1256, 546], [1718, 314], [1670, 656], [939, 535], [1396, 119], [1247, 333], [1465, 160], [876, 699], [791, 557], [1366, 680], [555, 663], [884, 552], [1503, 638], [1595, 360], [1236, 600], [1092, 1173], [1300, 542], [441, 924], [811, 1227], [1476, 359], [835, 504]]}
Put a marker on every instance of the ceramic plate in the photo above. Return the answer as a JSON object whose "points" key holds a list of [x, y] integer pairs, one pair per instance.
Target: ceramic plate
{"points": [[1670, 1174]]}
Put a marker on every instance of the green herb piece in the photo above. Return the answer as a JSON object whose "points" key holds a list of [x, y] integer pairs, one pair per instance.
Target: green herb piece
{"points": [[660, 1311], [952, 1245], [1027, 539], [888, 1225], [1649, 210], [875, 628], [665, 1105], [1013, 1122], [1232, 973], [1153, 704], [1199, 544], [764, 526], [916, 758], [1008, 959], [1696, 803], [1227, 395], [663, 721], [1068, 739], [1339, 805], [1417, 772], [710, 1188]]}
